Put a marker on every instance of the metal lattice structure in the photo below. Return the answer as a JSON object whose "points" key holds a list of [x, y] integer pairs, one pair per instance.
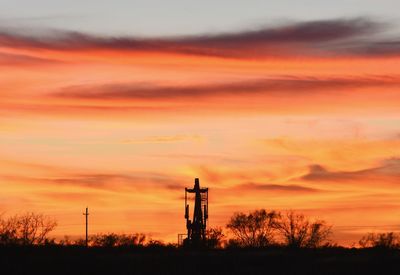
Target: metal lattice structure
{"points": [[196, 228]]}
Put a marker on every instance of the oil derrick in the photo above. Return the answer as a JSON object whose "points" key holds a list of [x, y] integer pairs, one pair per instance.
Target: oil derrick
{"points": [[196, 228]]}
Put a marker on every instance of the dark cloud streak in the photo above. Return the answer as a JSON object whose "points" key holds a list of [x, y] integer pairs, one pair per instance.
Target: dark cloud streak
{"points": [[7, 59], [390, 169], [303, 38], [274, 87], [107, 182], [276, 187]]}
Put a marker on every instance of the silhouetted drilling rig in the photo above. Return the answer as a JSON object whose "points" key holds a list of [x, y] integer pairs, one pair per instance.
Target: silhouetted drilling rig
{"points": [[196, 228]]}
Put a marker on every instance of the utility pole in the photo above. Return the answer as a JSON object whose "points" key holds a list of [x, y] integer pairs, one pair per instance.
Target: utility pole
{"points": [[86, 214]]}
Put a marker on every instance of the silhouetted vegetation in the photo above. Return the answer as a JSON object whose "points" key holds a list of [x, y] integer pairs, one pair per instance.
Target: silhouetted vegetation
{"points": [[255, 229], [113, 240], [261, 228], [389, 240], [298, 231], [215, 238], [259, 245], [110, 240], [26, 229]]}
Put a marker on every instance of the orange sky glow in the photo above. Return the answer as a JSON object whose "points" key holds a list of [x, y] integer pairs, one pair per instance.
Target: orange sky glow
{"points": [[123, 131]]}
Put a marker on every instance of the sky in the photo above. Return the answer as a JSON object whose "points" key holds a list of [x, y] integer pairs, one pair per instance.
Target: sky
{"points": [[279, 105]]}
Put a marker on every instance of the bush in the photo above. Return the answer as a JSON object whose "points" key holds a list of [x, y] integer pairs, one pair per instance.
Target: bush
{"points": [[215, 237], [115, 240]]}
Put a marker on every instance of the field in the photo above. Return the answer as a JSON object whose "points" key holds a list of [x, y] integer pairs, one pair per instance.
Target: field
{"points": [[78, 260]]}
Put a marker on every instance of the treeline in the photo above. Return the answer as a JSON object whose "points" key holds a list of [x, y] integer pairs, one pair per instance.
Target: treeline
{"points": [[256, 229], [261, 228]]}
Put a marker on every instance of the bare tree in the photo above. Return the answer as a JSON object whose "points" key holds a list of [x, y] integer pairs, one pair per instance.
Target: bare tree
{"points": [[389, 240], [254, 229], [26, 229], [34, 228], [298, 231]]}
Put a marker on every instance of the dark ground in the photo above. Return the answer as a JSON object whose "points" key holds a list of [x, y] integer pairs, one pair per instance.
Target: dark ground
{"points": [[78, 260]]}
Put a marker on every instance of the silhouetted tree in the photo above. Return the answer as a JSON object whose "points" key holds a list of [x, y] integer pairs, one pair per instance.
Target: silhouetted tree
{"points": [[26, 229], [215, 237], [34, 228], [298, 231], [254, 229], [389, 240]]}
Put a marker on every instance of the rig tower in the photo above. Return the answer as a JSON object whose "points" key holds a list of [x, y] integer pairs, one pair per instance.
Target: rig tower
{"points": [[196, 228]]}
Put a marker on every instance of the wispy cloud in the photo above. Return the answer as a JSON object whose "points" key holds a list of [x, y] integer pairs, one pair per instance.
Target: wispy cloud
{"points": [[291, 188], [163, 139], [285, 86], [68, 196], [325, 37], [389, 169], [7, 59], [105, 182]]}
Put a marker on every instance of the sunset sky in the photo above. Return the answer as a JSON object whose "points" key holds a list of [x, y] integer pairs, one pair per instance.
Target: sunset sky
{"points": [[119, 105]]}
